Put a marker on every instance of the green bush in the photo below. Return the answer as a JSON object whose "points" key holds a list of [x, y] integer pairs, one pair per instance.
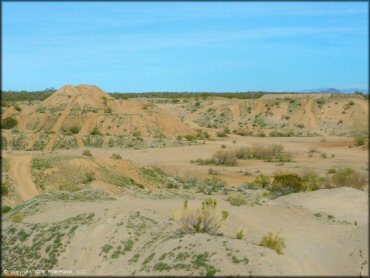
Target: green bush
{"points": [[287, 183], [237, 200], [4, 189], [74, 129], [190, 137], [17, 218], [89, 177], [312, 181], [360, 140], [95, 131], [273, 241], [9, 123], [215, 183], [332, 171], [18, 108], [260, 181], [5, 209]]}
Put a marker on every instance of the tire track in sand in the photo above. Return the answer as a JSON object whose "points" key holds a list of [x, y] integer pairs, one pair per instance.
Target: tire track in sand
{"points": [[59, 123], [309, 107], [20, 173]]}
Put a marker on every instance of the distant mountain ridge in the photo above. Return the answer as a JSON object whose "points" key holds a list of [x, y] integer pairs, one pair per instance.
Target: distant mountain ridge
{"points": [[334, 91]]}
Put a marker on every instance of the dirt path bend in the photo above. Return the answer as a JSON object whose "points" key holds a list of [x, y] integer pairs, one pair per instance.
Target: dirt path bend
{"points": [[59, 123], [20, 173]]}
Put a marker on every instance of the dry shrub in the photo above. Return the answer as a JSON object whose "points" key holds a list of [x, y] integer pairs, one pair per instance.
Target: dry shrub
{"points": [[349, 177], [287, 183], [260, 181], [273, 241], [312, 181], [259, 152], [204, 219], [237, 200], [225, 158]]}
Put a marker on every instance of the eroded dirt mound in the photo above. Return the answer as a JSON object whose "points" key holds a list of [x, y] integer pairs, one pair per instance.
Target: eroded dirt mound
{"points": [[69, 116], [85, 116], [102, 235]]}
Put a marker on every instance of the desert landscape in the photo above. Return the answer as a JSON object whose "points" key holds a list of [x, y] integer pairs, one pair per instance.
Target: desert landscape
{"points": [[241, 184]]}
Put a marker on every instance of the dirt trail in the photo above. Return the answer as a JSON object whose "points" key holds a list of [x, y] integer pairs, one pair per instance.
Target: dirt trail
{"points": [[33, 140], [43, 121], [310, 114], [235, 109], [89, 124], [59, 123], [80, 142], [106, 141], [20, 173], [260, 106]]}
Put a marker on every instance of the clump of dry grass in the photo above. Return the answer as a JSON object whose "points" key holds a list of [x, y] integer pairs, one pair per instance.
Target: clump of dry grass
{"points": [[224, 157], [259, 151], [349, 177], [273, 241], [204, 219]]}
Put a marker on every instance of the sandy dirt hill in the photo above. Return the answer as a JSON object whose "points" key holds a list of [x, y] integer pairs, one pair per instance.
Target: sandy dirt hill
{"points": [[130, 235], [69, 116], [298, 114], [86, 116]]}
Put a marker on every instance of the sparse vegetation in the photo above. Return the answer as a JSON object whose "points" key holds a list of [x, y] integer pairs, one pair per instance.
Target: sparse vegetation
{"points": [[95, 131], [272, 153], [237, 200], [223, 133], [273, 241], [349, 177], [9, 123], [261, 181], [116, 156], [361, 140], [17, 218], [206, 219], [86, 153], [240, 235], [225, 158], [5, 209], [286, 183]]}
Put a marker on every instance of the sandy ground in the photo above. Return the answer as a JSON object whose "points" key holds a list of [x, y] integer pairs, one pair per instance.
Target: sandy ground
{"points": [[20, 173], [326, 231], [314, 245], [177, 160]]}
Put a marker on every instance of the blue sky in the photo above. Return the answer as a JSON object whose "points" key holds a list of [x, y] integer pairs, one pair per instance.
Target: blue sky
{"points": [[185, 46]]}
